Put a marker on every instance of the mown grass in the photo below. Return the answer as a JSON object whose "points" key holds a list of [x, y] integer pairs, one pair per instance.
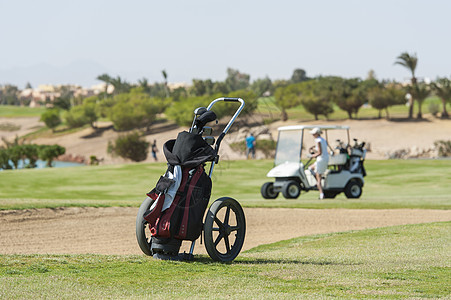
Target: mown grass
{"points": [[389, 184], [396, 262], [11, 111]]}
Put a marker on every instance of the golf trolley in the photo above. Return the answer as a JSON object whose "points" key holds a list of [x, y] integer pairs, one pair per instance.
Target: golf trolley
{"points": [[224, 226], [345, 168]]}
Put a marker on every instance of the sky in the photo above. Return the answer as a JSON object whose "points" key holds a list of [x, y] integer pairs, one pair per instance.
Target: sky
{"points": [[72, 42]]}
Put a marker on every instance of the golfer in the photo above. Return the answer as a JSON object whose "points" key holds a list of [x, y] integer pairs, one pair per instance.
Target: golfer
{"points": [[322, 159], [250, 146]]}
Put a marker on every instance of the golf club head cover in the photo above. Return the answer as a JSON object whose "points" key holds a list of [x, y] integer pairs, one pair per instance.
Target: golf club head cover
{"points": [[206, 117]]}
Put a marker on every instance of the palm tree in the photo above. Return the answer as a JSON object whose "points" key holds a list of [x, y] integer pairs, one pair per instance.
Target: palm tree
{"points": [[410, 62], [165, 76], [120, 86], [442, 88], [107, 79], [144, 84], [420, 92]]}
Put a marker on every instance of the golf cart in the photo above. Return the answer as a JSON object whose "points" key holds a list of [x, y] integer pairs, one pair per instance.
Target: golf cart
{"points": [[345, 169]]}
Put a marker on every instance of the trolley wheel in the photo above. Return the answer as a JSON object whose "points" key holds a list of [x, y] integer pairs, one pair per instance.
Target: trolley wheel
{"points": [[267, 191], [224, 229], [291, 190], [142, 234]]}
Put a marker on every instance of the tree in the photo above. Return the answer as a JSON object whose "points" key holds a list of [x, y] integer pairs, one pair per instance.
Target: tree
{"points": [[49, 152], [131, 146], [107, 80], [165, 76], [135, 110], [348, 94], [236, 80], [51, 118], [262, 86], [299, 75], [144, 84], [30, 152], [4, 159], [120, 86], [442, 88], [201, 87], [286, 97], [381, 98], [15, 154], [420, 92], [409, 62], [9, 95], [314, 100]]}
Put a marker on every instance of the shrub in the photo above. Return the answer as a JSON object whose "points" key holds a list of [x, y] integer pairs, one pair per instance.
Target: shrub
{"points": [[76, 117], [50, 152], [131, 146], [434, 108], [443, 147], [51, 118], [267, 147]]}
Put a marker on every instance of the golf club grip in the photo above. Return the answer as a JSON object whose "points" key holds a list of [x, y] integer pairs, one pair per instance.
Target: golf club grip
{"points": [[231, 99]]}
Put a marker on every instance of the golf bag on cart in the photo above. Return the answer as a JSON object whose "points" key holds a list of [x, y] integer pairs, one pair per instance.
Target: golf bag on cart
{"points": [[182, 194], [174, 209]]}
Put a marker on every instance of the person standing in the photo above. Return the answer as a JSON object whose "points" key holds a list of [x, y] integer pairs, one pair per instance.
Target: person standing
{"points": [[154, 150], [322, 158], [250, 146]]}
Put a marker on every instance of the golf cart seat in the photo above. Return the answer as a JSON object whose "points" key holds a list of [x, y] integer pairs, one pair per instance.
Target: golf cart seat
{"points": [[337, 159]]}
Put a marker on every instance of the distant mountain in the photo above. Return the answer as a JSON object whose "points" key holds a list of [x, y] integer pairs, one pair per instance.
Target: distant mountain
{"points": [[81, 72]]}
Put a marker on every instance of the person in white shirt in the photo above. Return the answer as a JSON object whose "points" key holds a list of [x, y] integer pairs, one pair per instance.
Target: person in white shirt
{"points": [[322, 158]]}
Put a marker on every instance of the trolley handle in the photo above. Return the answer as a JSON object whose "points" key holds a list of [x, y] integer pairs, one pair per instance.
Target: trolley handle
{"points": [[227, 99], [226, 129], [232, 99]]}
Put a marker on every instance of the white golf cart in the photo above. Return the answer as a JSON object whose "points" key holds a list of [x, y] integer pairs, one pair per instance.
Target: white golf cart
{"points": [[344, 174]]}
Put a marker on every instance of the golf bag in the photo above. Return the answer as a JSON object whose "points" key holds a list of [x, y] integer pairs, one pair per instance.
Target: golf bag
{"points": [[180, 196]]}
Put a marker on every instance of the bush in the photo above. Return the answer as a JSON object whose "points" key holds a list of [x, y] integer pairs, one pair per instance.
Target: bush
{"points": [[131, 146], [434, 108], [444, 148], [267, 147], [51, 118], [76, 117], [50, 152]]}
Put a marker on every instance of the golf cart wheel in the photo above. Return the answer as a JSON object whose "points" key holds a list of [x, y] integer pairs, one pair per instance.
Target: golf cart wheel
{"points": [[268, 192], [353, 189], [224, 229], [291, 190], [142, 233]]}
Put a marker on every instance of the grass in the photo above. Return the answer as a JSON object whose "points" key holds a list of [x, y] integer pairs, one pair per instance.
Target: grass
{"points": [[399, 262], [389, 184], [11, 111]]}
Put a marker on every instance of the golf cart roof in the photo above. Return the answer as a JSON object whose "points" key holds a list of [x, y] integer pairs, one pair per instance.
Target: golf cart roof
{"points": [[322, 127]]}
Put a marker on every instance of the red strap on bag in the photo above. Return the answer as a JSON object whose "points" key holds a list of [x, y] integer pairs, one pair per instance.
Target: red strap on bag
{"points": [[165, 221], [153, 217], [184, 224]]}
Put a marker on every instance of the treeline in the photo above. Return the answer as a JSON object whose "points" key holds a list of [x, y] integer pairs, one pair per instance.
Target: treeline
{"points": [[13, 153]]}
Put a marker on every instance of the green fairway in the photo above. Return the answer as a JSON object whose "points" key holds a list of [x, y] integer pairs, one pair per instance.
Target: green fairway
{"points": [[389, 184], [11, 111], [396, 262]]}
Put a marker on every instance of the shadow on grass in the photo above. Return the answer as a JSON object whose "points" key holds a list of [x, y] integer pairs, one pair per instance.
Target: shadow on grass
{"points": [[261, 261]]}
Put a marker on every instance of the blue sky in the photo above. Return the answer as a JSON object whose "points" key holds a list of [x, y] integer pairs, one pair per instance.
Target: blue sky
{"points": [[77, 40]]}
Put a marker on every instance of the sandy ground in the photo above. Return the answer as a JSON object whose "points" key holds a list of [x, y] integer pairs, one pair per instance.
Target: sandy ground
{"points": [[112, 230]]}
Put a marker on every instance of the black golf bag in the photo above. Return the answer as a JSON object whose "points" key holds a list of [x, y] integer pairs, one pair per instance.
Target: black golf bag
{"points": [[176, 216]]}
